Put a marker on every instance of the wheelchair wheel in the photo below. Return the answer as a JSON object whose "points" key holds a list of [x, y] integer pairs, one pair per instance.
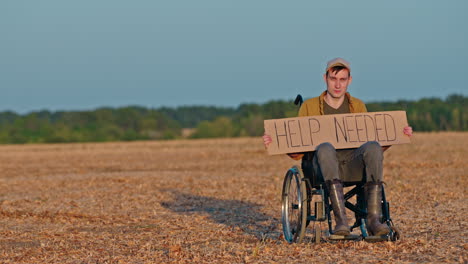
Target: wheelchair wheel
{"points": [[294, 206], [395, 233]]}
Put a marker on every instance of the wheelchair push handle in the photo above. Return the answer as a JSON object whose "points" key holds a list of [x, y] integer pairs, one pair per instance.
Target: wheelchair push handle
{"points": [[299, 100]]}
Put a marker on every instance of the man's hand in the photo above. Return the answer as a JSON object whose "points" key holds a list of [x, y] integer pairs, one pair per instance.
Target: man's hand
{"points": [[295, 156], [408, 131], [267, 140], [384, 148]]}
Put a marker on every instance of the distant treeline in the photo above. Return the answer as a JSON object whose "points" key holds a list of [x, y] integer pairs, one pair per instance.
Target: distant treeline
{"points": [[139, 123]]}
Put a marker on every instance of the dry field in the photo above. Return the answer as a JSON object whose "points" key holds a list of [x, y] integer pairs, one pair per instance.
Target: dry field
{"points": [[212, 201]]}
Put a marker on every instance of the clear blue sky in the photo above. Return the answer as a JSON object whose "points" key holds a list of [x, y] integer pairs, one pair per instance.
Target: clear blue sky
{"points": [[74, 55]]}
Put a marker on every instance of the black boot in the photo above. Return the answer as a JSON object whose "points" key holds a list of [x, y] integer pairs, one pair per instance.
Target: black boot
{"points": [[335, 188], [374, 209]]}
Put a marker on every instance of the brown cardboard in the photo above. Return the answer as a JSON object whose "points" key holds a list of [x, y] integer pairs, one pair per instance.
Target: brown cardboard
{"points": [[301, 134]]}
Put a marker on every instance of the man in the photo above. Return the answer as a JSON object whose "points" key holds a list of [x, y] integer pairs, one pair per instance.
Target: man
{"points": [[336, 166]]}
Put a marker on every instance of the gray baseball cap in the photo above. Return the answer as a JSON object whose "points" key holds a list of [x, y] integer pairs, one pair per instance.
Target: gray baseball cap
{"points": [[338, 62]]}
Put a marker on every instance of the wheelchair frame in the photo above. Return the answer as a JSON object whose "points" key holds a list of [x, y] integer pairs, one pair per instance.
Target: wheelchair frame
{"points": [[304, 202]]}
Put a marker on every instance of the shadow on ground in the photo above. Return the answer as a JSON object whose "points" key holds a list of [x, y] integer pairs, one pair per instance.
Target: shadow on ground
{"points": [[233, 213]]}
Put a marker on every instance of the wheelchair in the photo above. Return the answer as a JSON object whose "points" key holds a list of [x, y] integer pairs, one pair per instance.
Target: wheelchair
{"points": [[305, 200]]}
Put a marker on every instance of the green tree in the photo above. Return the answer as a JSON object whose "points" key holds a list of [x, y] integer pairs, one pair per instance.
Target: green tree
{"points": [[220, 127]]}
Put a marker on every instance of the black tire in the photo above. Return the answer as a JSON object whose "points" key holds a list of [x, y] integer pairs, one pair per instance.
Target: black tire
{"points": [[294, 206], [395, 233]]}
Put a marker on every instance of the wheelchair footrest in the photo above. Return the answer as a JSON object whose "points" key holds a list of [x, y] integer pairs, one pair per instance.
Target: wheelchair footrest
{"points": [[376, 238], [348, 237]]}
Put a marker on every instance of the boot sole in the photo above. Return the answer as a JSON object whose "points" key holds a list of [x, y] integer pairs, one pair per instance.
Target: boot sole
{"points": [[348, 237], [342, 233], [381, 232]]}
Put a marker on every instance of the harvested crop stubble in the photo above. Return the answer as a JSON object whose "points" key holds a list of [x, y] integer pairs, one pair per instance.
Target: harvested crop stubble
{"points": [[212, 201]]}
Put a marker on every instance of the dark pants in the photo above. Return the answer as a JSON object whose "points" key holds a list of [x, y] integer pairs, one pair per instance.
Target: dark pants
{"points": [[350, 165]]}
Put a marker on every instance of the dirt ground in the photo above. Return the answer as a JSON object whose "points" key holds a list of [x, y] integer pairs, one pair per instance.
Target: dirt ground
{"points": [[212, 201]]}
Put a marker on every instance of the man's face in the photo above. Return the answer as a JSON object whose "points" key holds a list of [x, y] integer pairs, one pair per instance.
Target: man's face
{"points": [[337, 83]]}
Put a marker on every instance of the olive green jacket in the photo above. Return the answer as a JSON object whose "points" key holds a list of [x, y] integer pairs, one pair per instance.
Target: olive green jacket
{"points": [[314, 106]]}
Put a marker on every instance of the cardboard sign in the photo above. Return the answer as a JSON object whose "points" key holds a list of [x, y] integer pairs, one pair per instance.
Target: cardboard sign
{"points": [[301, 134]]}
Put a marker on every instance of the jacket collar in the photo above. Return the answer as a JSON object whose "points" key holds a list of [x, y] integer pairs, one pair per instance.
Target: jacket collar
{"points": [[322, 101]]}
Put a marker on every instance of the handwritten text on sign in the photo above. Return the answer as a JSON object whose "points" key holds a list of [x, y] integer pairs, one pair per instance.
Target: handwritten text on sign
{"points": [[342, 131]]}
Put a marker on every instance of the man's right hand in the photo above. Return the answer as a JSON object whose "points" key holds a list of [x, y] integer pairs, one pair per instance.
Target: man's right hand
{"points": [[267, 141]]}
